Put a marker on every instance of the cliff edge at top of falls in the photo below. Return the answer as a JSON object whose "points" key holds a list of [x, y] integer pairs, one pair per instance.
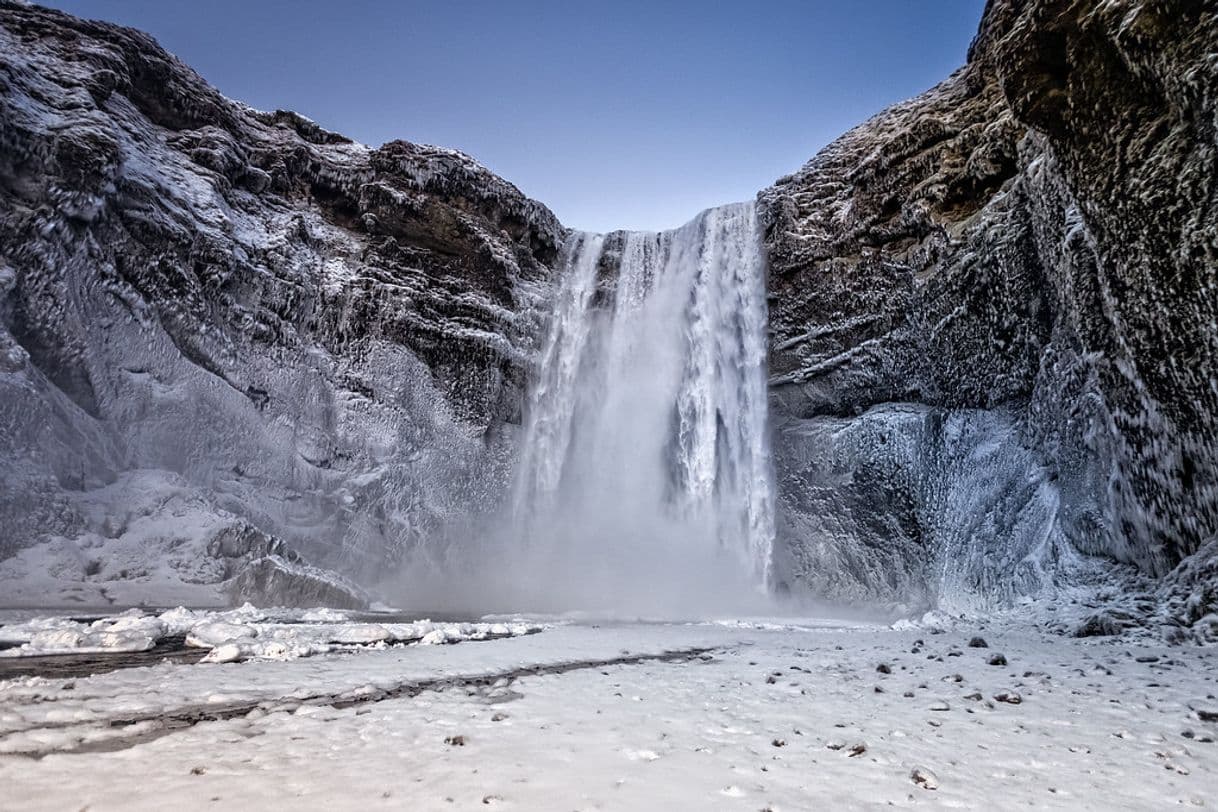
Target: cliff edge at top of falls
{"points": [[993, 319], [221, 325]]}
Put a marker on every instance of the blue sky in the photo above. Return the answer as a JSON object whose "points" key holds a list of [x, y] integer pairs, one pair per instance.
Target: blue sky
{"points": [[624, 115]]}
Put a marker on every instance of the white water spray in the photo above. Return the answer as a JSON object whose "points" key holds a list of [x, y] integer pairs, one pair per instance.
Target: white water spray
{"points": [[645, 460]]}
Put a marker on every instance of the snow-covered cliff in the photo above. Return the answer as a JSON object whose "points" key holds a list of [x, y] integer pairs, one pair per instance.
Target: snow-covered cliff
{"points": [[219, 323]]}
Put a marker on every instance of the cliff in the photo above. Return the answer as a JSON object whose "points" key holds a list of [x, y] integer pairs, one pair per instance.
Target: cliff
{"points": [[217, 317], [993, 316], [239, 352]]}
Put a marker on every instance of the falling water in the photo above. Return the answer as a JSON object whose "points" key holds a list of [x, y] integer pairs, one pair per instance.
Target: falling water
{"points": [[645, 453]]}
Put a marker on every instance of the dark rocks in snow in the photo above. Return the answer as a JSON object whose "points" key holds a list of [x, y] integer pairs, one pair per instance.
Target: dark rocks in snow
{"points": [[924, 778], [996, 659], [275, 581], [1189, 595], [1104, 623], [978, 642], [262, 570]]}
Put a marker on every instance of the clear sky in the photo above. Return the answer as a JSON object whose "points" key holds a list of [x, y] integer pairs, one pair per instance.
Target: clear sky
{"points": [[616, 115]]}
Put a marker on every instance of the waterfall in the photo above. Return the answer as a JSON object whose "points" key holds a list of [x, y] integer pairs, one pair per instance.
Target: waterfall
{"points": [[645, 452]]}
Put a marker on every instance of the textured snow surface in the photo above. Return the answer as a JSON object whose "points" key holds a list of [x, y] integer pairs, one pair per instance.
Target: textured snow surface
{"points": [[240, 634], [779, 715]]}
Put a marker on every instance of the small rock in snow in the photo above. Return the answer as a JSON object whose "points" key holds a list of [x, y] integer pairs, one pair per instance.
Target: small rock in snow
{"points": [[924, 778], [997, 659], [978, 642]]}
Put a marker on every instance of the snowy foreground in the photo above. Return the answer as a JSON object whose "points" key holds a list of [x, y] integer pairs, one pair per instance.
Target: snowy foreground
{"points": [[729, 715]]}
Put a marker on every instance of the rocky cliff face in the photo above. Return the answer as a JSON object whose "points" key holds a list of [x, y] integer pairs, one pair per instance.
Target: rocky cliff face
{"points": [[234, 346], [214, 318], [993, 315]]}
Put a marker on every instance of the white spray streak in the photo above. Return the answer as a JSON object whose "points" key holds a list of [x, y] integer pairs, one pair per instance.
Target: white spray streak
{"points": [[552, 398]]}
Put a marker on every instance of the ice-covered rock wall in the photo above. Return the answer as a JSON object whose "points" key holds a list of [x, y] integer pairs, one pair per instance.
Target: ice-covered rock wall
{"points": [[213, 318], [993, 316]]}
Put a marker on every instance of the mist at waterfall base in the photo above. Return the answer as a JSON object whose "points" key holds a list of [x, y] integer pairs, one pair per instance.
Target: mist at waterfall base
{"points": [[643, 484]]}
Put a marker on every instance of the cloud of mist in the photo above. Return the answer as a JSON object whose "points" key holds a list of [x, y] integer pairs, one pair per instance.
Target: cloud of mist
{"points": [[643, 483]]}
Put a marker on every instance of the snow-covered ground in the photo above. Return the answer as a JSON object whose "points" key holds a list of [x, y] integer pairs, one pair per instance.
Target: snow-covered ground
{"points": [[730, 715]]}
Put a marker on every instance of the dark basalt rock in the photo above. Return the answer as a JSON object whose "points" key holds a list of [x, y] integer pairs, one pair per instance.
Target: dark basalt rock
{"points": [[1032, 243], [275, 581]]}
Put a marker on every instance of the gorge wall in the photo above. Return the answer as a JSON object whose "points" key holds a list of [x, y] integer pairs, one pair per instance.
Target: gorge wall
{"points": [[993, 314], [231, 341], [223, 329]]}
